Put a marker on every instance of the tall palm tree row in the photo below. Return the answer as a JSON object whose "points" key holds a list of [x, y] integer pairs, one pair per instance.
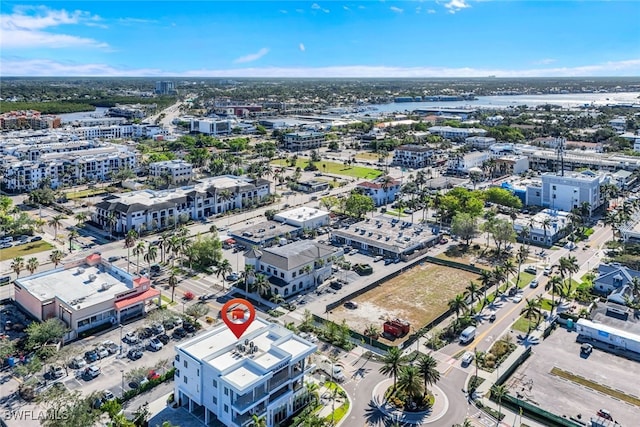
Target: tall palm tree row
{"points": [[392, 363], [129, 242]]}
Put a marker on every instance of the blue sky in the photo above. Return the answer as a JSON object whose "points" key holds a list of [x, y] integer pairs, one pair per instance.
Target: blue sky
{"points": [[444, 38]]}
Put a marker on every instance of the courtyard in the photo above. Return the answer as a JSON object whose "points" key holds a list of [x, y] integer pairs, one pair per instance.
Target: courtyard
{"points": [[418, 295]]}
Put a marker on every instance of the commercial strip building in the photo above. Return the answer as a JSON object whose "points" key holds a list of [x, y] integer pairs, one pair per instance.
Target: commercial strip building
{"points": [[224, 380], [94, 164], [304, 217], [413, 156], [545, 227], [85, 294], [150, 210], [387, 237], [175, 170], [295, 267], [212, 126]]}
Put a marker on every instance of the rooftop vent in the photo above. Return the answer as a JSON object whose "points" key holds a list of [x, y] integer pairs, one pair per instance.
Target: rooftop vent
{"points": [[92, 277], [80, 270]]}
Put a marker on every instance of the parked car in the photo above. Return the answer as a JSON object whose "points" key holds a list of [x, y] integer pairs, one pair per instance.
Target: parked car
{"points": [[134, 354], [586, 349], [36, 238], [164, 338], [189, 327], [132, 338], [77, 362], [533, 284], [155, 344], [91, 356], [113, 258], [111, 346], [492, 318], [157, 328], [378, 258], [336, 285], [604, 414], [57, 372], [206, 297], [145, 333], [351, 305], [517, 298], [353, 251], [388, 261], [179, 333], [102, 352], [547, 271], [531, 270], [107, 395], [233, 277], [91, 372]]}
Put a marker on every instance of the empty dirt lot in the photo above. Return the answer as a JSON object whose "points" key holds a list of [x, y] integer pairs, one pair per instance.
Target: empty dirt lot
{"points": [[418, 295]]}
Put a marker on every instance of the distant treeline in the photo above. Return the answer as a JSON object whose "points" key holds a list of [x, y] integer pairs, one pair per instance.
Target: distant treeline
{"points": [[61, 107]]}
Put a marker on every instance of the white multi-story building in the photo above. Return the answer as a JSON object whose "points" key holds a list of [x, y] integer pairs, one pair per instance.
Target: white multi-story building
{"points": [[619, 124], [119, 131], [456, 134], [298, 141], [545, 228], [572, 190], [295, 267], [176, 170], [85, 294], [380, 193], [482, 142], [413, 156], [462, 164], [304, 217], [228, 380], [212, 126], [151, 210], [96, 164]]}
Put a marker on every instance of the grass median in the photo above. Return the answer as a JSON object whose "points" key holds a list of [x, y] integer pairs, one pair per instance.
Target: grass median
{"points": [[24, 250]]}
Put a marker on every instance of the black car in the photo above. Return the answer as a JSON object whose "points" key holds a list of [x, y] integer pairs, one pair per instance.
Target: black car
{"points": [[164, 338], [336, 285], [169, 324], [36, 238], [134, 354], [189, 327], [206, 297], [492, 318], [145, 333], [179, 333], [91, 356]]}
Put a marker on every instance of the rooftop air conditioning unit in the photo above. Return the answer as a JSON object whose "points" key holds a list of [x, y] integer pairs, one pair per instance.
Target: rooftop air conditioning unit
{"points": [[92, 277], [80, 270]]}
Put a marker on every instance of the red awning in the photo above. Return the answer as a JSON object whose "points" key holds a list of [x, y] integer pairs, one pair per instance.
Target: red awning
{"points": [[139, 281], [136, 299], [93, 257]]}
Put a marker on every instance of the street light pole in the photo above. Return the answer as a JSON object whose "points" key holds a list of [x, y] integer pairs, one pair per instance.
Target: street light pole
{"points": [[122, 383], [121, 328]]}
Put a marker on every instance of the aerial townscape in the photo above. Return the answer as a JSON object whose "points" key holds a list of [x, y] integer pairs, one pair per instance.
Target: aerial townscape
{"points": [[265, 244]]}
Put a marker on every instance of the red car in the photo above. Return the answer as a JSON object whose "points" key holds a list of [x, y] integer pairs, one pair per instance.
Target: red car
{"points": [[153, 375]]}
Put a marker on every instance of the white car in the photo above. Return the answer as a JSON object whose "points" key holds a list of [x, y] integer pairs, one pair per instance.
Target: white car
{"points": [[102, 352], [131, 337], [378, 258], [467, 358], [155, 344], [517, 299]]}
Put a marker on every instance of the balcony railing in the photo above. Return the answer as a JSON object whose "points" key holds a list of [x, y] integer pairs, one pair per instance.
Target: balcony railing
{"points": [[279, 379], [247, 401]]}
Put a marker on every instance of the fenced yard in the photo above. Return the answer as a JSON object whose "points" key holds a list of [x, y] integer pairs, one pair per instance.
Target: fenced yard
{"points": [[418, 295]]}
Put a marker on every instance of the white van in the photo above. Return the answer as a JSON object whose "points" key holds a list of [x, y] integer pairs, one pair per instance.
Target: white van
{"points": [[325, 364], [468, 335]]}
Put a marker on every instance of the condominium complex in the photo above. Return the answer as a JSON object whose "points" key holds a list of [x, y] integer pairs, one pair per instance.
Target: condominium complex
{"points": [[224, 380], [298, 141], [29, 119], [66, 168], [572, 190], [119, 131], [456, 134], [413, 156], [150, 210], [165, 88], [175, 170]]}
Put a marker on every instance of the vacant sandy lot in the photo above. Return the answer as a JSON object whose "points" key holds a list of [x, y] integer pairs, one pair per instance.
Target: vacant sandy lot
{"points": [[418, 295]]}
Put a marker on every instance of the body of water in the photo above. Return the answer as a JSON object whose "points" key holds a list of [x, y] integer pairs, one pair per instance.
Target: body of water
{"points": [[505, 101], [70, 117]]}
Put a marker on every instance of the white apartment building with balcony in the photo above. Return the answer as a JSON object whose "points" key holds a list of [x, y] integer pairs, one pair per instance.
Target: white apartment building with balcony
{"points": [[225, 380], [175, 170], [572, 190], [294, 268], [463, 164], [66, 168], [413, 156], [298, 141], [151, 210], [456, 134], [212, 126]]}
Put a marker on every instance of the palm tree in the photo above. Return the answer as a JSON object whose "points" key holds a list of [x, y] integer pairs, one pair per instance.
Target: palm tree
{"points": [[151, 255], [259, 421], [173, 284], [56, 222], [392, 363], [546, 224], [249, 271], [499, 391], [262, 285], [224, 269], [73, 234], [410, 382], [531, 310], [17, 265], [556, 287], [498, 277], [427, 368], [225, 196], [137, 251], [521, 257], [110, 221], [32, 264], [471, 291], [129, 242], [336, 393], [508, 267], [386, 182], [55, 257], [457, 305], [81, 217], [312, 390], [486, 281], [276, 299]]}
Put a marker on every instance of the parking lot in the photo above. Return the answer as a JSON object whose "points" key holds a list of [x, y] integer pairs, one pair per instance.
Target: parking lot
{"points": [[534, 382]]}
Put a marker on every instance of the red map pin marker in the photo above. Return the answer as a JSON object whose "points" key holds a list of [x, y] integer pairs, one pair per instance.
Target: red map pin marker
{"points": [[238, 314]]}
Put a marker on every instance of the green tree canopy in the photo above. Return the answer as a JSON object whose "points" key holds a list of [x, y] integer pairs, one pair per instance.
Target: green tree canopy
{"points": [[464, 226], [358, 205], [504, 197]]}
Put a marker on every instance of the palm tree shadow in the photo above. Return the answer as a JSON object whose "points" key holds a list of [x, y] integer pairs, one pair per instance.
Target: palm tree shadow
{"points": [[373, 414]]}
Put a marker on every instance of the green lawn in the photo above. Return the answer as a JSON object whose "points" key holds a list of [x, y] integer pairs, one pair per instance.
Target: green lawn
{"points": [[86, 193], [335, 168], [394, 212], [24, 250], [525, 279], [522, 324], [167, 300]]}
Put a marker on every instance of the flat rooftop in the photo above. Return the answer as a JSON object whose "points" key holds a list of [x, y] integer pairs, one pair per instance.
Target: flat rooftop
{"points": [[84, 285], [263, 231], [301, 214], [631, 325]]}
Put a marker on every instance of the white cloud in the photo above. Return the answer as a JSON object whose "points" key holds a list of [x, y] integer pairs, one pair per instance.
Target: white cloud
{"points": [[396, 9], [315, 6], [456, 5], [301, 47], [545, 61], [24, 28], [137, 21], [346, 8], [283, 11], [47, 67], [431, 11], [252, 56]]}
